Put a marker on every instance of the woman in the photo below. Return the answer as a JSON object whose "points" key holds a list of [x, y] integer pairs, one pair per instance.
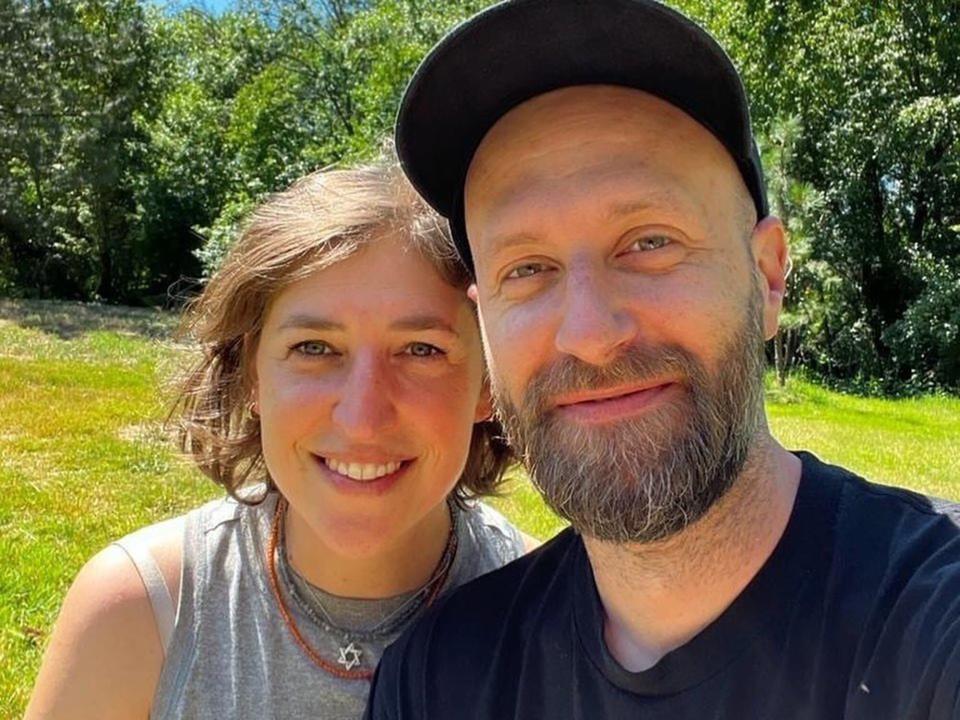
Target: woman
{"points": [[341, 401]]}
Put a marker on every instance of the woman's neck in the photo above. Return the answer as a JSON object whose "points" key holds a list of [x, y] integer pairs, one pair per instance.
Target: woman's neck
{"points": [[394, 569]]}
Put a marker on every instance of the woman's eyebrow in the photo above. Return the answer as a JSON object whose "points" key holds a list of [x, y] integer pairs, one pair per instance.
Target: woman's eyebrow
{"points": [[424, 322], [412, 322], [311, 322]]}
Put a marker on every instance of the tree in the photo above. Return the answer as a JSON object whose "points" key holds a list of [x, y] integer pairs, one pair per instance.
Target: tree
{"points": [[72, 80], [133, 142], [873, 87]]}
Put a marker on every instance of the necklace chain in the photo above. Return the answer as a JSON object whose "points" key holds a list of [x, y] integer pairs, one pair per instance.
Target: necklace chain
{"points": [[349, 653], [396, 617]]}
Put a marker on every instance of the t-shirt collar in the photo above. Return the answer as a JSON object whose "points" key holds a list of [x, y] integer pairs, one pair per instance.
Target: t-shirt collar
{"points": [[769, 596]]}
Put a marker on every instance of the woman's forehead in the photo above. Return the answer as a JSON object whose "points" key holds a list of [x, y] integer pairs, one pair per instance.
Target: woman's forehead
{"points": [[381, 281]]}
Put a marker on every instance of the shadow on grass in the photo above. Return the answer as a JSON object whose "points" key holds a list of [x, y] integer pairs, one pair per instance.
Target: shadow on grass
{"points": [[69, 320]]}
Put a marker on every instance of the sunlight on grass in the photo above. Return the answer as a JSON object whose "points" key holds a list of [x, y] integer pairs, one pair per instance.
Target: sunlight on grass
{"points": [[82, 461], [522, 504], [913, 442], [84, 458]]}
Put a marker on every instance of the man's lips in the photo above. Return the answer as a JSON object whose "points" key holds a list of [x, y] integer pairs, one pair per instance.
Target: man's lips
{"points": [[610, 404]]}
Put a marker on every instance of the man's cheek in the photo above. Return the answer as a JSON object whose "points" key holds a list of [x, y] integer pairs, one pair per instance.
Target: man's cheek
{"points": [[706, 304], [519, 341]]}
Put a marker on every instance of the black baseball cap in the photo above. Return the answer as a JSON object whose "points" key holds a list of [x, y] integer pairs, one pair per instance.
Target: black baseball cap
{"points": [[518, 49]]}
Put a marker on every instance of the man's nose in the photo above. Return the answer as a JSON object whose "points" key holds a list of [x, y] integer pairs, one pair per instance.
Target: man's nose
{"points": [[365, 406], [594, 325]]}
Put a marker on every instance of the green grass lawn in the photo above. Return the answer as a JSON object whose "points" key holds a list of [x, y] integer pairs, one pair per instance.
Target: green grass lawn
{"points": [[83, 458]]}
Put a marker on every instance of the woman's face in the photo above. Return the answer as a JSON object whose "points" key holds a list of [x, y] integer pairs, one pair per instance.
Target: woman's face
{"points": [[368, 380]]}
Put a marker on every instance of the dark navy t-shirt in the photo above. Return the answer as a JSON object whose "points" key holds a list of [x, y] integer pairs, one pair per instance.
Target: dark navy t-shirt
{"points": [[856, 615]]}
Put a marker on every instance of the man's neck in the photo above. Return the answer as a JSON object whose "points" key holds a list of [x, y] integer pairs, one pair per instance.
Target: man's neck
{"points": [[657, 596]]}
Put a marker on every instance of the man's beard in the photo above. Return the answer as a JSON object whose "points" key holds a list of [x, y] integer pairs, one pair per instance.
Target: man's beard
{"points": [[645, 478]]}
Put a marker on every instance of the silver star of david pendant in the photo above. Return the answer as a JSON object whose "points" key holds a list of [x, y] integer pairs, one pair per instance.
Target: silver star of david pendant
{"points": [[349, 656]]}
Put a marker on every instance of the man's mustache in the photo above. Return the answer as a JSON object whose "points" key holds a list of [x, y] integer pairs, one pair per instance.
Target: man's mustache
{"points": [[635, 364]]}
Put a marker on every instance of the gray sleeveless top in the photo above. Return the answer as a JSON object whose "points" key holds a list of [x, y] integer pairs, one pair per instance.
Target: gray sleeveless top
{"points": [[230, 654]]}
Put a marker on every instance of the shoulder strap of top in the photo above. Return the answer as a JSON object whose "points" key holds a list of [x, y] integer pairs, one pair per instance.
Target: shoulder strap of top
{"points": [[494, 519], [153, 580]]}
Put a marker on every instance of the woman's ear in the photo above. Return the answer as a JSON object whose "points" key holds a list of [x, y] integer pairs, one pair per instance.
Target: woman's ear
{"points": [[250, 373], [484, 404]]}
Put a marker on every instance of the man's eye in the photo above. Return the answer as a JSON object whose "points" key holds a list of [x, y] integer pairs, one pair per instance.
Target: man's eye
{"points": [[526, 270], [422, 349], [312, 348], [653, 242]]}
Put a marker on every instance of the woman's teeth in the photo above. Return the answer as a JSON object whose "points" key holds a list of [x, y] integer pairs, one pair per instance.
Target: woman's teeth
{"points": [[361, 471]]}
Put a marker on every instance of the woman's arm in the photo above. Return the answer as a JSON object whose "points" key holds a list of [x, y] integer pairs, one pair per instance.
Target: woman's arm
{"points": [[105, 656]]}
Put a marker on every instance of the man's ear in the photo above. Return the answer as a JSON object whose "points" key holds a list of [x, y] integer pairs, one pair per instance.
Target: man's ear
{"points": [[772, 257], [472, 292]]}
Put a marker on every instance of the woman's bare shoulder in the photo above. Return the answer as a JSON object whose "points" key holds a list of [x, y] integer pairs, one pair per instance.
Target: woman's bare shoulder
{"points": [[105, 654]]}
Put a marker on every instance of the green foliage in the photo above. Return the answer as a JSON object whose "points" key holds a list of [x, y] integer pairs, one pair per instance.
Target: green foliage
{"points": [[191, 170], [73, 77], [870, 91], [133, 140], [390, 39], [221, 235], [927, 338], [327, 93]]}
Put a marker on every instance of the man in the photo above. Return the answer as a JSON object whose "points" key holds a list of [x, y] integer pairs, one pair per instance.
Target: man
{"points": [[597, 165]]}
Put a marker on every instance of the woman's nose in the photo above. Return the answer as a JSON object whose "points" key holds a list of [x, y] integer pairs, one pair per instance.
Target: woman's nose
{"points": [[365, 407]]}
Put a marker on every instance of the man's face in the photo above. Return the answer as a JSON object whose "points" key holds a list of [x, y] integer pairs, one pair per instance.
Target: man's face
{"points": [[624, 294]]}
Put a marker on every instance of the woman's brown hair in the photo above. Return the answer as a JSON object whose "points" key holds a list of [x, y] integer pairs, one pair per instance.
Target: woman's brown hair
{"points": [[320, 220]]}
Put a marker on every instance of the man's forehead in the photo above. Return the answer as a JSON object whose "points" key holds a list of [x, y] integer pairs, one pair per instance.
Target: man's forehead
{"points": [[575, 105], [605, 137], [623, 186], [630, 121]]}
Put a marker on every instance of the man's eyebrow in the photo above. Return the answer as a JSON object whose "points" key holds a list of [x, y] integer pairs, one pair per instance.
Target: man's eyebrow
{"points": [[310, 322], [618, 210], [611, 212], [424, 322], [504, 242]]}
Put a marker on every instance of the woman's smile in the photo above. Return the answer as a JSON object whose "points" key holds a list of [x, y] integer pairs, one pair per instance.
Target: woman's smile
{"points": [[361, 470], [356, 478]]}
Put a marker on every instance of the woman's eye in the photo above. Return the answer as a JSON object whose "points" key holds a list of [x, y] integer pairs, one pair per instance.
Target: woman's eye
{"points": [[653, 242], [422, 349], [312, 348], [526, 270]]}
